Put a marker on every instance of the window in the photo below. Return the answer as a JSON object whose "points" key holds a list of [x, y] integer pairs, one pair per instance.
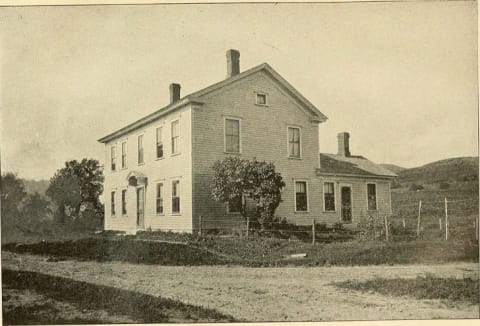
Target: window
{"points": [[140, 149], [112, 157], [301, 204], [124, 155], [175, 137], [159, 197], [293, 142], [232, 135], [261, 99], [235, 205], [329, 196], [372, 196], [124, 202], [159, 143], [176, 196], [112, 203]]}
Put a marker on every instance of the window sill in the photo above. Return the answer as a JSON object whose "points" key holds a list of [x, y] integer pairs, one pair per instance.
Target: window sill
{"points": [[160, 214], [264, 105], [124, 215], [302, 212], [295, 158], [234, 153], [176, 214], [140, 164], [175, 154], [329, 212], [123, 169], [160, 158]]}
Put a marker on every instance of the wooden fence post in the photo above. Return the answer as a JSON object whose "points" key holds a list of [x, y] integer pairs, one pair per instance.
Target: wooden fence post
{"points": [[386, 227], [419, 216], [404, 224], [248, 225], [313, 232], [446, 219], [440, 223], [200, 226]]}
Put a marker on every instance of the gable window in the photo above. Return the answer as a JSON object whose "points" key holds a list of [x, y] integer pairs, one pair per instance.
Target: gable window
{"points": [[159, 197], [301, 196], [140, 149], [112, 203], [261, 99], [232, 135], [124, 155], [372, 196], [175, 137], [235, 205], [159, 143], [294, 142], [112, 158], [329, 196], [124, 202], [176, 196]]}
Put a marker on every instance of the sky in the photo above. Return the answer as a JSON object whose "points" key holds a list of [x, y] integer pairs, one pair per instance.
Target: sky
{"points": [[401, 78]]}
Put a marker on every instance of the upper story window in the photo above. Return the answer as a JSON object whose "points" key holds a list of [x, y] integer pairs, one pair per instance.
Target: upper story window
{"points": [[124, 155], [261, 99], [140, 149], [294, 142], [176, 196], [175, 137], [301, 196], [112, 158], [232, 135], [329, 196], [159, 143], [372, 196]]}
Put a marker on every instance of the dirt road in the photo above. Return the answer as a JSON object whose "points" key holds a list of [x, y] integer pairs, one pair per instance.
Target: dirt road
{"points": [[265, 294]]}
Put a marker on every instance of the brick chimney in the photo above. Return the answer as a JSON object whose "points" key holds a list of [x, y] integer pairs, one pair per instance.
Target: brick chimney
{"points": [[233, 63], [343, 144], [174, 92]]}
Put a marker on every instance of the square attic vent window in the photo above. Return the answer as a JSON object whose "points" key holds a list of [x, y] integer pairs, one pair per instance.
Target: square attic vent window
{"points": [[261, 99]]}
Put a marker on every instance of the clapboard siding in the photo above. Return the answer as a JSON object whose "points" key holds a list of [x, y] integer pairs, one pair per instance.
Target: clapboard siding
{"points": [[263, 136]]}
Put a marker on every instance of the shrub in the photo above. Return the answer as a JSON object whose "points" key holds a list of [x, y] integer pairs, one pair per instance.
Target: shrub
{"points": [[444, 185], [370, 227], [415, 187]]}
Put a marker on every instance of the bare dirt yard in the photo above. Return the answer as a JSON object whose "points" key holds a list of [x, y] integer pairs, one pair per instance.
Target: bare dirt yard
{"points": [[265, 294]]}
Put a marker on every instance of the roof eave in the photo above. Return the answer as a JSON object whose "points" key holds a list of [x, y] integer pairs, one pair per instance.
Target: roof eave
{"points": [[151, 117], [352, 175]]}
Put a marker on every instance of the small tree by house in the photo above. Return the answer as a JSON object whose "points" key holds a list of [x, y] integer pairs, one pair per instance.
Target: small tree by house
{"points": [[236, 178], [76, 186]]}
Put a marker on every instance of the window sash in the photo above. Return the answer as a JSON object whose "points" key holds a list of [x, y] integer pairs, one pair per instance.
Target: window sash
{"points": [[235, 205], [112, 158], [124, 202], [175, 137], [301, 198], [124, 155], [159, 198], [140, 149], [329, 196], [159, 143], [294, 142], [372, 196], [261, 99], [175, 197], [232, 135], [112, 203]]}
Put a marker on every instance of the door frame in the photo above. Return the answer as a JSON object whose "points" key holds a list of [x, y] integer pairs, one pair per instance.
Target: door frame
{"points": [[346, 185], [142, 227]]}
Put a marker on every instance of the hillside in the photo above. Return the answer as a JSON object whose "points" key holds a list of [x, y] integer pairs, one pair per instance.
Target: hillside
{"points": [[33, 186], [392, 167], [453, 170]]}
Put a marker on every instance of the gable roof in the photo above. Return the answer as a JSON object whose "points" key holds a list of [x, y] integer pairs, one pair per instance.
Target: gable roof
{"points": [[333, 164], [194, 98]]}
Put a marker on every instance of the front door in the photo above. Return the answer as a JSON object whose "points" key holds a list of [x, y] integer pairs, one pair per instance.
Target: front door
{"points": [[346, 204], [140, 207]]}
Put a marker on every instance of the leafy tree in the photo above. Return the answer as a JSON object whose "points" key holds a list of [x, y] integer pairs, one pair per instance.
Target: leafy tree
{"points": [[76, 185], [35, 209], [236, 178], [12, 195]]}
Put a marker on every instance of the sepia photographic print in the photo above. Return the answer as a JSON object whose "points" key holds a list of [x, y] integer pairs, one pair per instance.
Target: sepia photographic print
{"points": [[239, 162]]}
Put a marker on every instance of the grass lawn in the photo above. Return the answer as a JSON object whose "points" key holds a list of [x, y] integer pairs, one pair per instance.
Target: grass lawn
{"points": [[253, 252], [88, 298], [422, 287]]}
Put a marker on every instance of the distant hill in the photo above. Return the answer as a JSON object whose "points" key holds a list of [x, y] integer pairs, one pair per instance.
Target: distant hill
{"points": [[33, 186], [453, 170], [394, 168]]}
